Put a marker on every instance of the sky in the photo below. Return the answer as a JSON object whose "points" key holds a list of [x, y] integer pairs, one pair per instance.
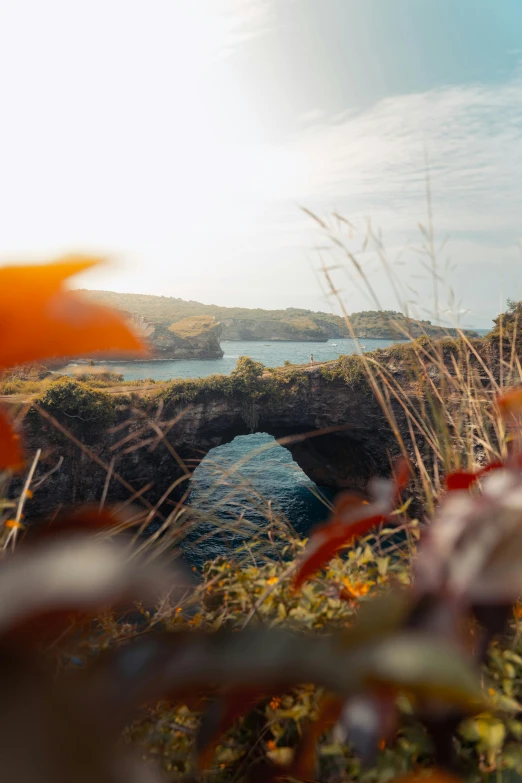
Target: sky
{"points": [[182, 138]]}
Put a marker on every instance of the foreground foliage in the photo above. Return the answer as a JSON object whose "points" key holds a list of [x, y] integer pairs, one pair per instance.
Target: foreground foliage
{"points": [[254, 668]]}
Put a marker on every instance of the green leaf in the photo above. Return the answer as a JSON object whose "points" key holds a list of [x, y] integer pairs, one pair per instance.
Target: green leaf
{"points": [[512, 757], [382, 565], [424, 665]]}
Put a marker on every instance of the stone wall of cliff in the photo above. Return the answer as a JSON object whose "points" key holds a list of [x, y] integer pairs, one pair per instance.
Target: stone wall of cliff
{"points": [[326, 415], [276, 330], [346, 438], [191, 338]]}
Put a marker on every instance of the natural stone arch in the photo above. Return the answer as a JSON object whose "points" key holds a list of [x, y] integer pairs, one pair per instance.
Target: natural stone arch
{"points": [[348, 440]]}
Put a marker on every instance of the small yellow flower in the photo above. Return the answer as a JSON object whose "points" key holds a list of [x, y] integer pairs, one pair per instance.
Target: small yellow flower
{"points": [[274, 704], [13, 524], [28, 494], [356, 589], [272, 581]]}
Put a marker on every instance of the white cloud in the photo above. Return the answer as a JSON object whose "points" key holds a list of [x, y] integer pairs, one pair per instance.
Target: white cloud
{"points": [[242, 20], [373, 163]]}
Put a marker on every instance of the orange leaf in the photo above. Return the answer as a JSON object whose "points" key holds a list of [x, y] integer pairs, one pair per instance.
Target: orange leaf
{"points": [[11, 455], [327, 541], [510, 402], [40, 319]]}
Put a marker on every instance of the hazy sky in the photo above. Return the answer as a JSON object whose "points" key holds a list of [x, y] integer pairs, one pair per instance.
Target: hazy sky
{"points": [[181, 136]]}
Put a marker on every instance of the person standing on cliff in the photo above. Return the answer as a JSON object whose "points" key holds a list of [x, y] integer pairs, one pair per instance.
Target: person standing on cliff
{"points": [[311, 358]]}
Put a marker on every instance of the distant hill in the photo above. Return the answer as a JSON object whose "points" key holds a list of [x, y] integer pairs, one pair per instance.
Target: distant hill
{"points": [[390, 325], [241, 323]]}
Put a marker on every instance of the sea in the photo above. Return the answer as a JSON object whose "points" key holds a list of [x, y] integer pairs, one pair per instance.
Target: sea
{"points": [[252, 483], [271, 354]]}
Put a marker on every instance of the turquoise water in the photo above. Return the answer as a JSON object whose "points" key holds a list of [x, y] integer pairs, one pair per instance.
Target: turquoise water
{"points": [[249, 481], [270, 354]]}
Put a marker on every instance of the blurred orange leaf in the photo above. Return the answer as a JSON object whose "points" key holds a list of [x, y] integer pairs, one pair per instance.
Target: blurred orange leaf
{"points": [[40, 319], [510, 402]]}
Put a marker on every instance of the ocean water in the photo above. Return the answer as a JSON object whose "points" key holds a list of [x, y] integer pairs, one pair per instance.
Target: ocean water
{"points": [[241, 485], [270, 354], [246, 485]]}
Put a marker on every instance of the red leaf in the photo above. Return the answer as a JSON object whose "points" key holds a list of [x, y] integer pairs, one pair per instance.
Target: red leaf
{"points": [[460, 480], [221, 717], [401, 473], [86, 519], [327, 541], [464, 479], [303, 767], [348, 501], [11, 455]]}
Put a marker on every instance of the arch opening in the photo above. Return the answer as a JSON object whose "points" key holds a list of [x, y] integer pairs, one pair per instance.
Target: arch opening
{"points": [[249, 493]]}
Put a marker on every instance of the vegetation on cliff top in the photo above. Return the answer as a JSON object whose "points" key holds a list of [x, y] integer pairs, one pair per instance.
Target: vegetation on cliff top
{"points": [[389, 324], [193, 326], [384, 324], [508, 326]]}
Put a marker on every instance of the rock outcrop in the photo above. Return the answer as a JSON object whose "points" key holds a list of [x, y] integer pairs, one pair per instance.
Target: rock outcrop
{"points": [[327, 416], [334, 429], [191, 338]]}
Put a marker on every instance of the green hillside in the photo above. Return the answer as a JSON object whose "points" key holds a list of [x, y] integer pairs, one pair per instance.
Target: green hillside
{"points": [[388, 324], [241, 323]]}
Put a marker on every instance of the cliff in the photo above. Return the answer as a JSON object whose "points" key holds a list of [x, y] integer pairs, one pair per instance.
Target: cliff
{"points": [[390, 325], [350, 440], [301, 329], [196, 337], [241, 323]]}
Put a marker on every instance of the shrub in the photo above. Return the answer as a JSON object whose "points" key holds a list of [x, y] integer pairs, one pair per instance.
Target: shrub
{"points": [[82, 409]]}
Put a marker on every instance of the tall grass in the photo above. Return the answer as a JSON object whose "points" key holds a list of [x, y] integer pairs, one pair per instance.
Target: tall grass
{"points": [[445, 388]]}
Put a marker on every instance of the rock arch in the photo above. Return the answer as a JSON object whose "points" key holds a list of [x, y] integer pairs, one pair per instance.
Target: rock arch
{"points": [[336, 433]]}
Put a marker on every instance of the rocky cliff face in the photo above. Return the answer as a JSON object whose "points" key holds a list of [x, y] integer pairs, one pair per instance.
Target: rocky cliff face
{"points": [[346, 438], [297, 329], [326, 416], [190, 338]]}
